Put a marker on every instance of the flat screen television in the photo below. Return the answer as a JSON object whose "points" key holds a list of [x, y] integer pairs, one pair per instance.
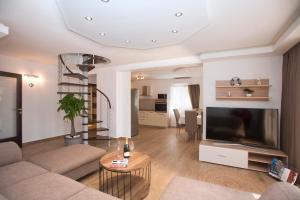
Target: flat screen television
{"points": [[247, 126]]}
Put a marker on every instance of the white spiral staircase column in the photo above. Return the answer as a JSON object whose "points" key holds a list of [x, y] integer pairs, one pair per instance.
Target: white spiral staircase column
{"points": [[85, 120]]}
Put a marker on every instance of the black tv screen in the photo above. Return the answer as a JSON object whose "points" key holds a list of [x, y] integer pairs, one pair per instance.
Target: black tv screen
{"points": [[248, 126]]}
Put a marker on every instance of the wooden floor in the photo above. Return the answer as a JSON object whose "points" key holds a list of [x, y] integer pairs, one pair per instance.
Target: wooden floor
{"points": [[172, 156]]}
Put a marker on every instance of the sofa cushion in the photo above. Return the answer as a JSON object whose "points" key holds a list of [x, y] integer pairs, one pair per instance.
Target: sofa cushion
{"points": [[2, 197], [281, 191], [48, 186], [67, 158], [182, 188], [9, 153], [13, 173], [92, 194]]}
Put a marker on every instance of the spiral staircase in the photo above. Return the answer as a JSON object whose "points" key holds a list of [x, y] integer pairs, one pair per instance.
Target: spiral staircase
{"points": [[73, 71]]}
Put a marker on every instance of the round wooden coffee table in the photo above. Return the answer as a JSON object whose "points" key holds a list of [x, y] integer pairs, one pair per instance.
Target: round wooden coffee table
{"points": [[132, 182]]}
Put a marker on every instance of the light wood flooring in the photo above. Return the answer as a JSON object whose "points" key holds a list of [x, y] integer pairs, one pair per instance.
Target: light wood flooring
{"points": [[171, 156]]}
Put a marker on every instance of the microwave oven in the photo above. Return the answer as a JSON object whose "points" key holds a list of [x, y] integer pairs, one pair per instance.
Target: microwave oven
{"points": [[162, 96]]}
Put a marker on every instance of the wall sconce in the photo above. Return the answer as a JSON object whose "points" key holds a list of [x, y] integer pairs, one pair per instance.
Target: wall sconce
{"points": [[31, 79]]}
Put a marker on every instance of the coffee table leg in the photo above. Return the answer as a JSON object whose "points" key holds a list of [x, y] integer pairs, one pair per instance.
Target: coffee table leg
{"points": [[130, 184], [118, 185]]}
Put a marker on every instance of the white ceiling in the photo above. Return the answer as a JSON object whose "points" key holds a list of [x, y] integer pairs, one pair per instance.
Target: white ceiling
{"points": [[135, 23], [38, 32], [169, 72]]}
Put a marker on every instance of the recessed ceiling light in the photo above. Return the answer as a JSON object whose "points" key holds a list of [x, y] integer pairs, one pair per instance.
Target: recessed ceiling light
{"points": [[105, 1], [102, 34], [178, 14], [127, 41], [88, 18], [174, 31], [153, 41]]}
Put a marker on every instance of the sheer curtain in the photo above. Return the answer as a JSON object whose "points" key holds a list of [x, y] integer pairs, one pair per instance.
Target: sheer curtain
{"points": [[180, 99]]}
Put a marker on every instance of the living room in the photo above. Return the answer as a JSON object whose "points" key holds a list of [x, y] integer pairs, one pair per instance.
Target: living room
{"points": [[244, 63]]}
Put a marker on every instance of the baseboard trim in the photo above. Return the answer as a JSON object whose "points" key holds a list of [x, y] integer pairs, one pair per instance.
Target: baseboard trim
{"points": [[42, 140]]}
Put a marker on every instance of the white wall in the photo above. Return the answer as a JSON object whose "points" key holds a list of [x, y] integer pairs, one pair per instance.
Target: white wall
{"points": [[163, 85], [40, 118], [123, 104], [245, 68], [116, 85]]}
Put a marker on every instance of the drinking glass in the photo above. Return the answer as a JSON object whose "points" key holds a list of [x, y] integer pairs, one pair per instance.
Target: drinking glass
{"points": [[131, 146]]}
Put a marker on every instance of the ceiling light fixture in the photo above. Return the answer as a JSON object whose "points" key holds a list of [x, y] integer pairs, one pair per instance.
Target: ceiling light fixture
{"points": [[105, 1], [153, 41], [140, 77], [102, 34], [178, 14], [127, 41], [88, 18], [174, 31]]}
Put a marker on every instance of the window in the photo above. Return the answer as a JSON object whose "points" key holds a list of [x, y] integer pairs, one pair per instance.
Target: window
{"points": [[180, 99]]}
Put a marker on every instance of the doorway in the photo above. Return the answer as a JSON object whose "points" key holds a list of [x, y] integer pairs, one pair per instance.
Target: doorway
{"points": [[11, 107]]}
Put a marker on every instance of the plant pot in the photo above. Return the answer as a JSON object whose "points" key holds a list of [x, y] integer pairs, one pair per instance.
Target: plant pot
{"points": [[69, 140], [248, 95]]}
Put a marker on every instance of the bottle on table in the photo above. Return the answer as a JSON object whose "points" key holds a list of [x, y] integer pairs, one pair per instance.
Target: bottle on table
{"points": [[126, 152]]}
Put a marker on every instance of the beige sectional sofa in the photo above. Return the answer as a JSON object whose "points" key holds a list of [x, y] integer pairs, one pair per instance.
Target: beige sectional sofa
{"points": [[39, 177], [181, 188]]}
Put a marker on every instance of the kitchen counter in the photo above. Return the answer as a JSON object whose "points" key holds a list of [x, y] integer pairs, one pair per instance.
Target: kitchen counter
{"points": [[153, 118]]}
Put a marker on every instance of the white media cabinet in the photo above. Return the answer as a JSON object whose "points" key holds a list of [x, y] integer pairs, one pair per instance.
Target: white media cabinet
{"points": [[240, 156]]}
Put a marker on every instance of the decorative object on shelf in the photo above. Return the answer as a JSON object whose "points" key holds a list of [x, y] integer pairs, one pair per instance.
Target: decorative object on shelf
{"points": [[72, 106], [31, 79], [229, 93], [248, 92], [235, 81], [258, 81]]}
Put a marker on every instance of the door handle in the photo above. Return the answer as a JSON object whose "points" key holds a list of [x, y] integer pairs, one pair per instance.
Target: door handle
{"points": [[19, 110]]}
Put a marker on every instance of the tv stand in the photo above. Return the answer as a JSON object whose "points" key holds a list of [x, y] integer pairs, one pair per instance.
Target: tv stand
{"points": [[240, 156]]}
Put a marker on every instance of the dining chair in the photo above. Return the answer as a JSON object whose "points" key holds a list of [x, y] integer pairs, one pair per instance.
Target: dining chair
{"points": [[178, 124], [200, 126], [191, 126]]}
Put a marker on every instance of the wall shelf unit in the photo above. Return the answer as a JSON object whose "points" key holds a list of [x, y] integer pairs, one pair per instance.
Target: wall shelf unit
{"points": [[226, 92]]}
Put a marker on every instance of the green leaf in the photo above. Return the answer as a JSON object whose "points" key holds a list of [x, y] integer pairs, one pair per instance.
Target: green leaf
{"points": [[71, 105]]}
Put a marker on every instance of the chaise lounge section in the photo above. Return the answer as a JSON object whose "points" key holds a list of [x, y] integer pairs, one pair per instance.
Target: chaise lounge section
{"points": [[183, 188], [25, 180]]}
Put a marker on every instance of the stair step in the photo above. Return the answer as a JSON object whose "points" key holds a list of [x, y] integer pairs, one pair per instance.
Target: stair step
{"points": [[101, 137], [73, 93], [92, 122], [98, 137], [72, 84], [99, 129], [75, 75], [86, 67], [94, 129]]}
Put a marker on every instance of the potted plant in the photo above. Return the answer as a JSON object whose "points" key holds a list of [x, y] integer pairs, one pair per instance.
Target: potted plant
{"points": [[248, 92], [72, 106]]}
